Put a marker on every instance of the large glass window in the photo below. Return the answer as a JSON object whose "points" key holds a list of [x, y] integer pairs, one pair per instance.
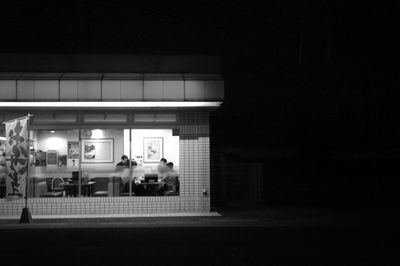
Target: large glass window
{"points": [[54, 158], [99, 162], [101, 151], [156, 156]]}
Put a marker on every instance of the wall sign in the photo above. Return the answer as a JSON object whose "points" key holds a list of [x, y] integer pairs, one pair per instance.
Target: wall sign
{"points": [[97, 150], [153, 149], [73, 149]]}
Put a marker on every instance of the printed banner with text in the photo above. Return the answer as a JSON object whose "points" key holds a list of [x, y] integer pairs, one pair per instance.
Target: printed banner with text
{"points": [[17, 155]]}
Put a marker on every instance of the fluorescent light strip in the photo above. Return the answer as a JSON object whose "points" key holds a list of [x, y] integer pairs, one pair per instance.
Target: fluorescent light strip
{"points": [[107, 104]]}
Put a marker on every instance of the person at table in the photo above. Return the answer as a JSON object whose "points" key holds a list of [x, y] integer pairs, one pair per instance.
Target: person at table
{"points": [[170, 180], [125, 162], [123, 169], [162, 168]]}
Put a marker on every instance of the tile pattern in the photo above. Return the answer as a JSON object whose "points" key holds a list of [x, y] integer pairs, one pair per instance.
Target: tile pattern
{"points": [[102, 205], [194, 160], [123, 215]]}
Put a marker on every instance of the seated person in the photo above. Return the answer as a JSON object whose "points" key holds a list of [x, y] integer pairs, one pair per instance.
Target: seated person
{"points": [[162, 168], [125, 162], [123, 171], [170, 179]]}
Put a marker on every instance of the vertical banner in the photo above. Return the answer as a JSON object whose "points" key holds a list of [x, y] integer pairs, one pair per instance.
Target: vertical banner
{"points": [[17, 157]]}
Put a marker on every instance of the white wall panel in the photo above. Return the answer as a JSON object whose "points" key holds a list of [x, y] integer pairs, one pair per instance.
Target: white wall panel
{"points": [[144, 117], [173, 90], [112, 117], [25, 89], [43, 117], [89, 89], [131, 90], [68, 89], [45, 89], [8, 90], [214, 89], [66, 117], [111, 90], [153, 90], [194, 90], [93, 117], [165, 118]]}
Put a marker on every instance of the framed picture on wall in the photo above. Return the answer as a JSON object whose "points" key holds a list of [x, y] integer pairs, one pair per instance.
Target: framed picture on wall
{"points": [[73, 149], [97, 150], [153, 150]]}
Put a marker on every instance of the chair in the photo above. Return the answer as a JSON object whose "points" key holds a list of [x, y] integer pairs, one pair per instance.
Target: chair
{"points": [[115, 188], [100, 187], [57, 184], [56, 188], [171, 191], [124, 189]]}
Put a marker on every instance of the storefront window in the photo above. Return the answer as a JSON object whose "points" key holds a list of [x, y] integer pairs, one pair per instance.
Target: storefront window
{"points": [[54, 158], [103, 163], [101, 151], [156, 153]]}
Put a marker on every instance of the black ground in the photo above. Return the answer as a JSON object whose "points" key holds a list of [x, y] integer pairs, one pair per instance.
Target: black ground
{"points": [[257, 236]]}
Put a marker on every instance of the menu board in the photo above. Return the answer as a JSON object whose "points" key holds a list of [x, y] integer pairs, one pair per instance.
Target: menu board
{"points": [[52, 158]]}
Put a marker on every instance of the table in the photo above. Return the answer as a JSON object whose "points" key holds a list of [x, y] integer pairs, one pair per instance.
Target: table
{"points": [[150, 187], [89, 188], [71, 189]]}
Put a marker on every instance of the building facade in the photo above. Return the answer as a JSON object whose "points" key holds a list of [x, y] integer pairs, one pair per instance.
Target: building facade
{"points": [[83, 123]]}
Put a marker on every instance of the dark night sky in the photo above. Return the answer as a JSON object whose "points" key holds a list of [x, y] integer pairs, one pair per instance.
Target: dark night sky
{"points": [[342, 98], [345, 60]]}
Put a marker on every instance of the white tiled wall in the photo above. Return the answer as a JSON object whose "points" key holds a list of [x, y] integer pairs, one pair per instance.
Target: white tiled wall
{"points": [[194, 171]]}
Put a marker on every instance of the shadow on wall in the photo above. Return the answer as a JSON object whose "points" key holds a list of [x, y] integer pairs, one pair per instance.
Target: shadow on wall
{"points": [[353, 185], [236, 181]]}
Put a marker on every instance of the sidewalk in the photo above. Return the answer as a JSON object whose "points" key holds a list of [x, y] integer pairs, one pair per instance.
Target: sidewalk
{"points": [[241, 235], [229, 216]]}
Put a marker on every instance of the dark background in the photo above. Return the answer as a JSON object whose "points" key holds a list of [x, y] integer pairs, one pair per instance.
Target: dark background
{"points": [[311, 88]]}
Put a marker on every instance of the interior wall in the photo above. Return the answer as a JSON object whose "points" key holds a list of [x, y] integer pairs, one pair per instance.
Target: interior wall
{"points": [[170, 143], [45, 140], [118, 136], [56, 141]]}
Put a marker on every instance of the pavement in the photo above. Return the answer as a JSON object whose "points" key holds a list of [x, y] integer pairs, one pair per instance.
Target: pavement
{"points": [[242, 235], [237, 215]]}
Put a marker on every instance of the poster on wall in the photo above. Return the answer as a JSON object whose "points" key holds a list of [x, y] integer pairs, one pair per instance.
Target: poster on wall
{"points": [[73, 149], [152, 149], [17, 157], [97, 150]]}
